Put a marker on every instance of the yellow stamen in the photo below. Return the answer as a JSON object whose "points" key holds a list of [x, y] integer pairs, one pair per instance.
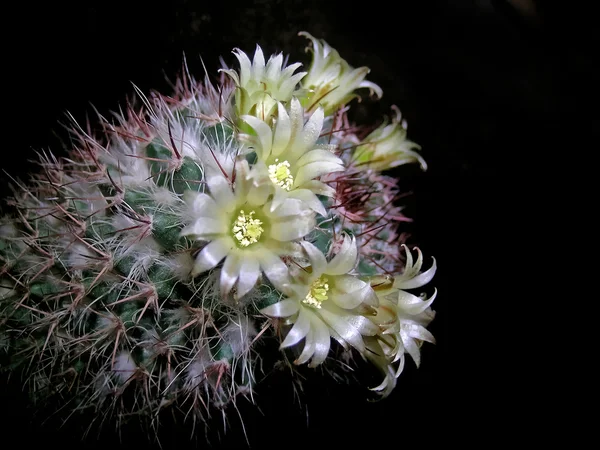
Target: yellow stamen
{"points": [[280, 174], [318, 293], [246, 229]]}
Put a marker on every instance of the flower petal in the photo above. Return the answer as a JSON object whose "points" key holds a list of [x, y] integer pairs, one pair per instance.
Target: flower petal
{"points": [[260, 186], [348, 283], [364, 326], [290, 83], [322, 342], [200, 204], [275, 270], [314, 170], [341, 326], [249, 272], [290, 208], [318, 155], [274, 67], [280, 195], [284, 308], [317, 259], [373, 88], [258, 64], [309, 348], [220, 191], [298, 331], [210, 256], [417, 331], [204, 226], [319, 188], [264, 134], [409, 260], [229, 273], [310, 199], [296, 117], [351, 80], [364, 295], [233, 74], [292, 228], [245, 65], [411, 348], [413, 305], [345, 259], [290, 70], [418, 281], [298, 290], [283, 131], [313, 128], [361, 323]]}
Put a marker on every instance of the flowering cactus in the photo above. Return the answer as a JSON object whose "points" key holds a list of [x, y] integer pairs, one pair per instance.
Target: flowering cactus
{"points": [[139, 272]]}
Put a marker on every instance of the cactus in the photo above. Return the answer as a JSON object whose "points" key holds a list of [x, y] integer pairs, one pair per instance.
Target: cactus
{"points": [[142, 271]]}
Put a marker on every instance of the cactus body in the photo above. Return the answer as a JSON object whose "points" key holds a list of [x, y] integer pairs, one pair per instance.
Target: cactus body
{"points": [[141, 271]]}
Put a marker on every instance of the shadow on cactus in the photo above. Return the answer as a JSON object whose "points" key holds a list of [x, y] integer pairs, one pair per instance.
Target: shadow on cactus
{"points": [[143, 272]]}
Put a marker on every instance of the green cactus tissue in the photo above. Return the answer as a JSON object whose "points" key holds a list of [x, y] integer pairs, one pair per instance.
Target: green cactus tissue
{"points": [[142, 271]]}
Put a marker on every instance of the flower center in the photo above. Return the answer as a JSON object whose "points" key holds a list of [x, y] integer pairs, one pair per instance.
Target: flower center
{"points": [[246, 229], [280, 174], [318, 293]]}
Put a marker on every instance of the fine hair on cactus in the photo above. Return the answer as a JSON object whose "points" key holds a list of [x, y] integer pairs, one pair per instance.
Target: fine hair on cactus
{"points": [[148, 270]]}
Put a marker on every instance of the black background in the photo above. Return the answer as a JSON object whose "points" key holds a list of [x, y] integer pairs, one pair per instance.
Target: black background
{"points": [[486, 88]]}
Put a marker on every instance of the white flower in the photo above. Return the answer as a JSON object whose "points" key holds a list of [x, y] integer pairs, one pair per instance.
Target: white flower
{"points": [[289, 156], [326, 302], [401, 318], [261, 86], [388, 147], [331, 81], [244, 230]]}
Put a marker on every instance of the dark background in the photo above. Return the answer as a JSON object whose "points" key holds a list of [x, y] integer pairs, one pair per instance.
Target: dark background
{"points": [[487, 88]]}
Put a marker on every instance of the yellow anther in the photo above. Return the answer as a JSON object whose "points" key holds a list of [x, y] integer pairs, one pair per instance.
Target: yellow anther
{"points": [[246, 229], [318, 293], [280, 174]]}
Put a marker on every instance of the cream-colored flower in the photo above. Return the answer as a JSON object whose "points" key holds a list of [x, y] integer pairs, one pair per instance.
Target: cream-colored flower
{"points": [[260, 86], [289, 156], [388, 147], [385, 352], [402, 319], [324, 302], [243, 228], [331, 81]]}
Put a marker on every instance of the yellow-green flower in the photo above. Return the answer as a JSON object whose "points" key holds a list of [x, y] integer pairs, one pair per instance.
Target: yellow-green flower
{"points": [[331, 81], [288, 155], [402, 319], [388, 147], [243, 229], [260, 86], [324, 302]]}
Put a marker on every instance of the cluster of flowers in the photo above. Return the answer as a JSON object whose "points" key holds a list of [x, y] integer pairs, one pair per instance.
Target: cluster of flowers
{"points": [[264, 206]]}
